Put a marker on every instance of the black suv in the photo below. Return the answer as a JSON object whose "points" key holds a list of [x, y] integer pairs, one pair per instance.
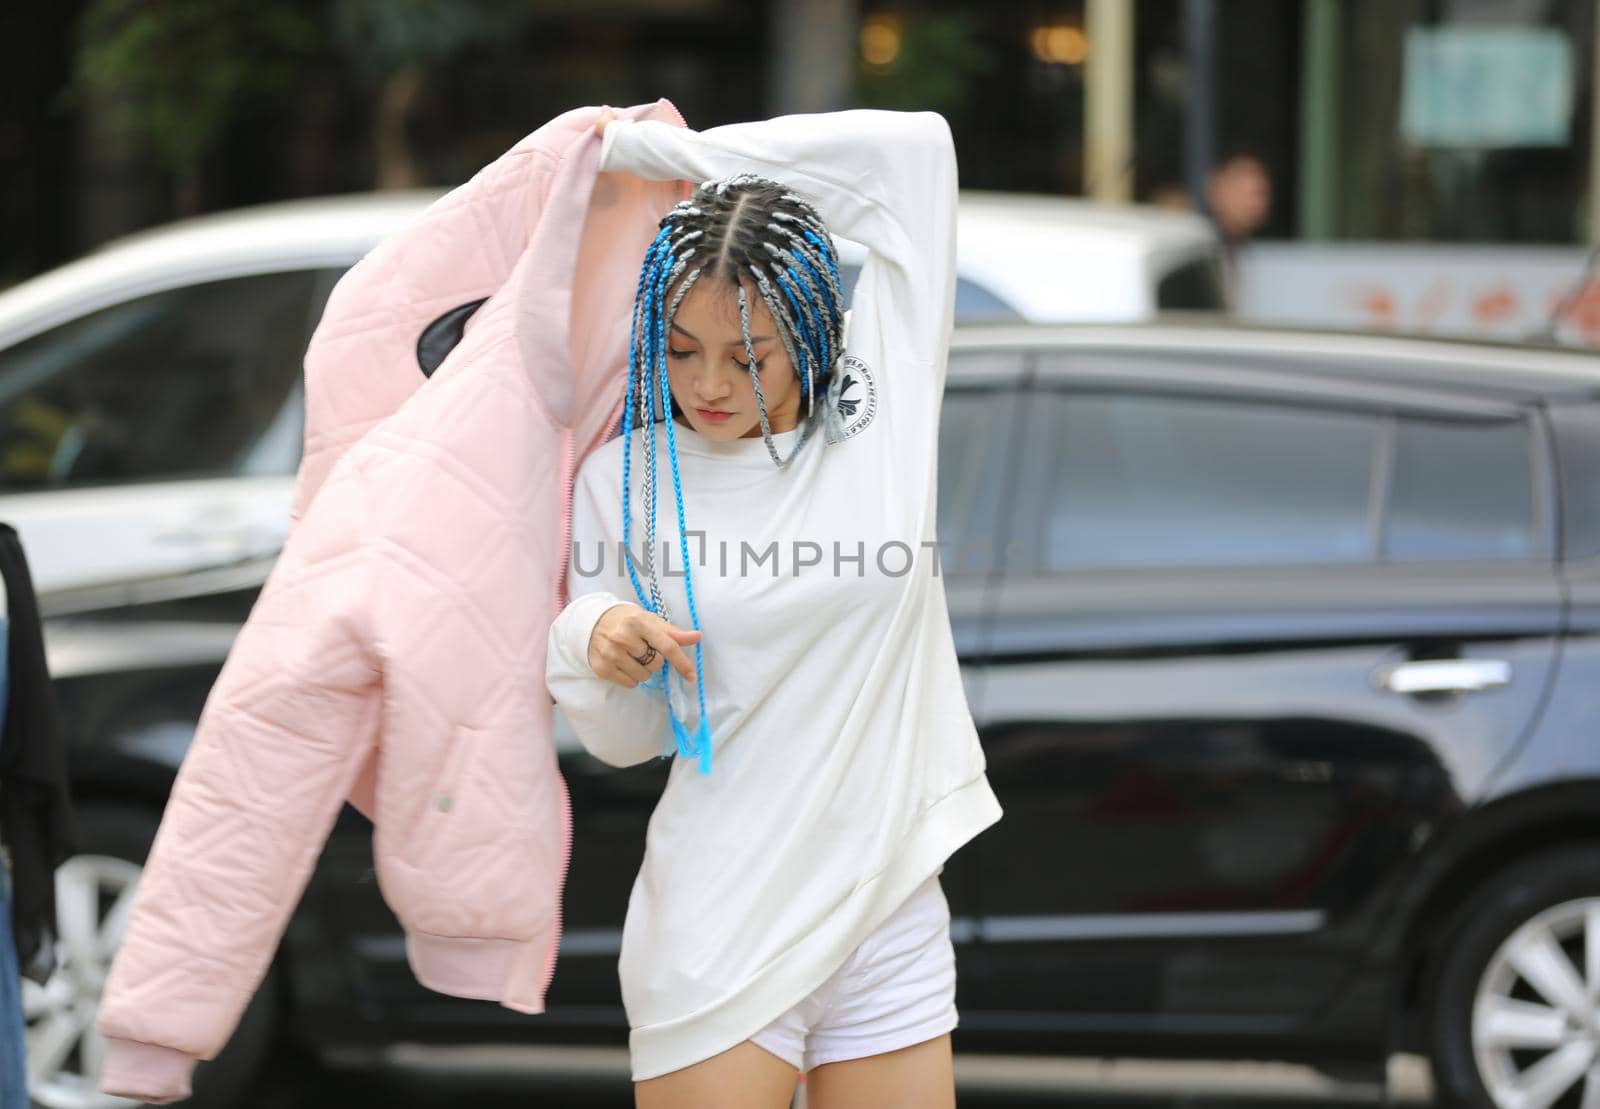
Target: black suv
{"points": [[1280, 644]]}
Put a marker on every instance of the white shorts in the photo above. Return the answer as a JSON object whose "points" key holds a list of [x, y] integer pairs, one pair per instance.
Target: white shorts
{"points": [[896, 989]]}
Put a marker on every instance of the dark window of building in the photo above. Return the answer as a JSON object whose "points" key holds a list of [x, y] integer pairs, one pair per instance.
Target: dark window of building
{"points": [[1461, 120]]}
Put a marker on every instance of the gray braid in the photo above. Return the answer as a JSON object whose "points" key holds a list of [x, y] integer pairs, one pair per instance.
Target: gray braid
{"points": [[738, 228]]}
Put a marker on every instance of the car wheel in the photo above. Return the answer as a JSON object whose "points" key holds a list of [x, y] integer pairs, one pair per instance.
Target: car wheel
{"points": [[94, 897], [1515, 1010]]}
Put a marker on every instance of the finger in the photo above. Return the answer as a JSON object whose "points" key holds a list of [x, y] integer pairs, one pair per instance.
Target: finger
{"points": [[667, 646], [688, 636], [605, 631], [657, 661], [618, 676], [628, 667], [616, 657]]}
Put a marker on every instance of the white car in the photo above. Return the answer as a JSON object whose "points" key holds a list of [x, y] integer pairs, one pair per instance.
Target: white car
{"points": [[150, 405], [1049, 259]]}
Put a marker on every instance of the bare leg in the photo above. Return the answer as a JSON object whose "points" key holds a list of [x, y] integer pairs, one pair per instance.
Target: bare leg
{"points": [[743, 1077], [921, 1076]]}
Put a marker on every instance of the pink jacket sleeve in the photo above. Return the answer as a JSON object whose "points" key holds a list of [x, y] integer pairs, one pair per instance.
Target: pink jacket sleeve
{"points": [[283, 732]]}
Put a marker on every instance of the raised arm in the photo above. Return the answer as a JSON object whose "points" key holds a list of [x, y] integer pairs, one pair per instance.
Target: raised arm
{"points": [[886, 179]]}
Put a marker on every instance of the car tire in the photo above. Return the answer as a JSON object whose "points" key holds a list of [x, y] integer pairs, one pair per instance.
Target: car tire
{"points": [[1512, 999], [113, 844]]}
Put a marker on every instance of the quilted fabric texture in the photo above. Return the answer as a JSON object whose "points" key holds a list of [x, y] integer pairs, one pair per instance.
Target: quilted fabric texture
{"points": [[395, 654]]}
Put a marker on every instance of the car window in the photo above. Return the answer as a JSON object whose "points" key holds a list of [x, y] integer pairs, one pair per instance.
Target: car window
{"points": [[1192, 286], [1461, 490], [186, 382], [975, 444], [974, 302], [1125, 479]]}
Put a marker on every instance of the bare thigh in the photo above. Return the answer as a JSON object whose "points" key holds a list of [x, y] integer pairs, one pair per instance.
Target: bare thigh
{"points": [[921, 1076], [743, 1077]]}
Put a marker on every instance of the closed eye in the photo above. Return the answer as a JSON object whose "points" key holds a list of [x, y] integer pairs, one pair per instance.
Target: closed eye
{"points": [[745, 366]]}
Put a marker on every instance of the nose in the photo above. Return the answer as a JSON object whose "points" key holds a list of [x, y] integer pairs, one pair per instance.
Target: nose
{"points": [[710, 384]]}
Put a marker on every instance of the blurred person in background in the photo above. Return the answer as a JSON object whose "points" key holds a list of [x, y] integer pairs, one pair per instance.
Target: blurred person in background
{"points": [[1239, 203], [1239, 198]]}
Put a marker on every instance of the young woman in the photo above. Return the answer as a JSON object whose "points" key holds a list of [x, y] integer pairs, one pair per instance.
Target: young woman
{"points": [[771, 610]]}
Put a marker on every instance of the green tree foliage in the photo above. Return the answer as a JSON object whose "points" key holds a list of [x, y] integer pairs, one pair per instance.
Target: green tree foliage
{"points": [[181, 68], [940, 59], [395, 44]]}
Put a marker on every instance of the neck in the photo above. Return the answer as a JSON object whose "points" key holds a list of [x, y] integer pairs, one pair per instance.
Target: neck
{"points": [[780, 422]]}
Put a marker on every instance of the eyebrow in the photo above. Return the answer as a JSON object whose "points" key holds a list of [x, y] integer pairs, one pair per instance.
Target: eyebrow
{"points": [[753, 338]]}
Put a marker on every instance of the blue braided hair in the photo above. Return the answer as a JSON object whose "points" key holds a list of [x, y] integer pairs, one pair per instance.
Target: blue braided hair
{"points": [[737, 229]]}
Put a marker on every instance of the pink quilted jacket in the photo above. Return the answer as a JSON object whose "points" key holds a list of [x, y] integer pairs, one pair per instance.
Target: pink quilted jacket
{"points": [[395, 655]]}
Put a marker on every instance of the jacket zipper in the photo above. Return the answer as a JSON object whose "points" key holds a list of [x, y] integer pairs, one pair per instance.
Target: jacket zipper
{"points": [[566, 859], [567, 478]]}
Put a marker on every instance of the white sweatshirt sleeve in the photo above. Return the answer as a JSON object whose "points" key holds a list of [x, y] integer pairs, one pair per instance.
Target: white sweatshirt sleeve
{"points": [[886, 179], [616, 725]]}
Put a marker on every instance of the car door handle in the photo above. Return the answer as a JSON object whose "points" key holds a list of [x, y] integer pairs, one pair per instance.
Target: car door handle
{"points": [[197, 532], [1444, 675], [222, 536], [237, 539]]}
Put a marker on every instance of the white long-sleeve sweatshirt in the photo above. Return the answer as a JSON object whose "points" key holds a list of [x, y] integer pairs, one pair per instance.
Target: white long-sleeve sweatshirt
{"points": [[847, 764]]}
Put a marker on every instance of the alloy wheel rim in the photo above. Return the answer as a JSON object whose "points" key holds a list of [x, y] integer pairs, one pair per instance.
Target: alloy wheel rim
{"points": [[94, 898], [1536, 1014]]}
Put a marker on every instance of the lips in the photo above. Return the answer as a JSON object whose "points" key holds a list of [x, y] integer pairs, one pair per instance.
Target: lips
{"points": [[713, 414]]}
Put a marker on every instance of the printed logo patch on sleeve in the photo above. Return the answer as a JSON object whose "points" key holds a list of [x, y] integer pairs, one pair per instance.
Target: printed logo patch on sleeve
{"points": [[854, 396]]}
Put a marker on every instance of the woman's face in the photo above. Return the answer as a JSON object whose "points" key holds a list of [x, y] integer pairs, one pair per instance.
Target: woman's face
{"points": [[708, 368]]}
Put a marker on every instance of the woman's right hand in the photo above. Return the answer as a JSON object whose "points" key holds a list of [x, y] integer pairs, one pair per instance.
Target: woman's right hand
{"points": [[625, 632]]}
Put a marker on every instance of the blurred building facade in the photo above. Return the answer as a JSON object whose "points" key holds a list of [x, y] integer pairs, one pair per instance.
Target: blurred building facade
{"points": [[1367, 121], [1467, 121], [1424, 165]]}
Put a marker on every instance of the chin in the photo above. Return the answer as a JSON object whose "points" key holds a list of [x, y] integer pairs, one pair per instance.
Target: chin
{"points": [[729, 431]]}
